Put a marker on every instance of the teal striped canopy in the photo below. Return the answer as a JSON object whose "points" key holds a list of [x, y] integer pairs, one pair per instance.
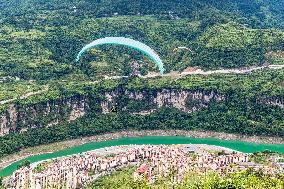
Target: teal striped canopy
{"points": [[129, 43]]}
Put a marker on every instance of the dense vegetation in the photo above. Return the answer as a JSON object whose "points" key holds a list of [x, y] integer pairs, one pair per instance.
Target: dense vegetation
{"points": [[39, 39], [1, 180], [263, 84], [240, 113], [262, 157], [245, 180], [226, 119], [265, 13]]}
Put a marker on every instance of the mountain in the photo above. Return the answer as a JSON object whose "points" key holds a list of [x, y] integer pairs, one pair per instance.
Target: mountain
{"points": [[46, 96], [40, 39]]}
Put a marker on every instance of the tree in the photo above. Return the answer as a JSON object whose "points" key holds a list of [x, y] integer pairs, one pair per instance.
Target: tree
{"points": [[1, 181], [25, 163]]}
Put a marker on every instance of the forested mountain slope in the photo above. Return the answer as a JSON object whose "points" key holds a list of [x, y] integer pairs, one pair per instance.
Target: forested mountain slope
{"points": [[248, 105], [257, 13], [40, 39]]}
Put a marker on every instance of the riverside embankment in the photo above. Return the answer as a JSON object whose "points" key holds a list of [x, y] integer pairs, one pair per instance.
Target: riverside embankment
{"points": [[235, 142]]}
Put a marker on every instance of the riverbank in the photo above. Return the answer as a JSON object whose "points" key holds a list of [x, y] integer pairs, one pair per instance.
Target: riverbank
{"points": [[244, 147], [49, 148], [74, 170]]}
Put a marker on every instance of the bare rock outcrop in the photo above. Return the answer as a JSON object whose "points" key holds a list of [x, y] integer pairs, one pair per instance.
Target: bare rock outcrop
{"points": [[278, 102], [180, 99], [19, 118]]}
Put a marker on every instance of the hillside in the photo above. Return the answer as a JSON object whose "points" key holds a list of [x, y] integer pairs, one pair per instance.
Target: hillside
{"points": [[224, 64], [243, 104], [40, 39], [43, 86], [263, 13]]}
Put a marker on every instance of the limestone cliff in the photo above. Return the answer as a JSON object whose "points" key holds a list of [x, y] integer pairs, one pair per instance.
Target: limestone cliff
{"points": [[19, 118], [186, 101], [277, 102]]}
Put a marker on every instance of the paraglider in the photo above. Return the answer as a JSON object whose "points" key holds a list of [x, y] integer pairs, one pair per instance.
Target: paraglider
{"points": [[114, 108], [129, 43]]}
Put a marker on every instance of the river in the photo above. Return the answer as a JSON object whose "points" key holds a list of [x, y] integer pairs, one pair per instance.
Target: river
{"points": [[233, 144]]}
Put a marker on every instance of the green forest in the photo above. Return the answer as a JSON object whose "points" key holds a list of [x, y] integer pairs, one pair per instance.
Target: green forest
{"points": [[39, 41], [240, 113], [123, 179]]}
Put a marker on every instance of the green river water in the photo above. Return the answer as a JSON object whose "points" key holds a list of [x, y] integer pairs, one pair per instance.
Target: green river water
{"points": [[233, 144]]}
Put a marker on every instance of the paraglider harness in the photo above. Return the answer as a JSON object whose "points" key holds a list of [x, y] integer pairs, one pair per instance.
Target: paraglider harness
{"points": [[113, 109]]}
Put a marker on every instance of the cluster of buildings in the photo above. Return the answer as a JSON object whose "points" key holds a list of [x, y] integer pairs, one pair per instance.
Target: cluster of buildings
{"points": [[69, 172], [277, 162], [174, 163], [153, 162]]}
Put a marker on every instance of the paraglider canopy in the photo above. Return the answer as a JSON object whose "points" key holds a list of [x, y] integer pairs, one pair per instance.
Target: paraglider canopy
{"points": [[129, 43]]}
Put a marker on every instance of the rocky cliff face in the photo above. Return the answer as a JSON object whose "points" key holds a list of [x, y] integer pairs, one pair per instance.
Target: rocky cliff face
{"points": [[186, 101], [20, 118], [277, 102]]}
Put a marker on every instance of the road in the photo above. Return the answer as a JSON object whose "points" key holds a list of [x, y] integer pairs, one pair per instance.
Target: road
{"points": [[25, 96], [221, 71], [173, 74]]}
